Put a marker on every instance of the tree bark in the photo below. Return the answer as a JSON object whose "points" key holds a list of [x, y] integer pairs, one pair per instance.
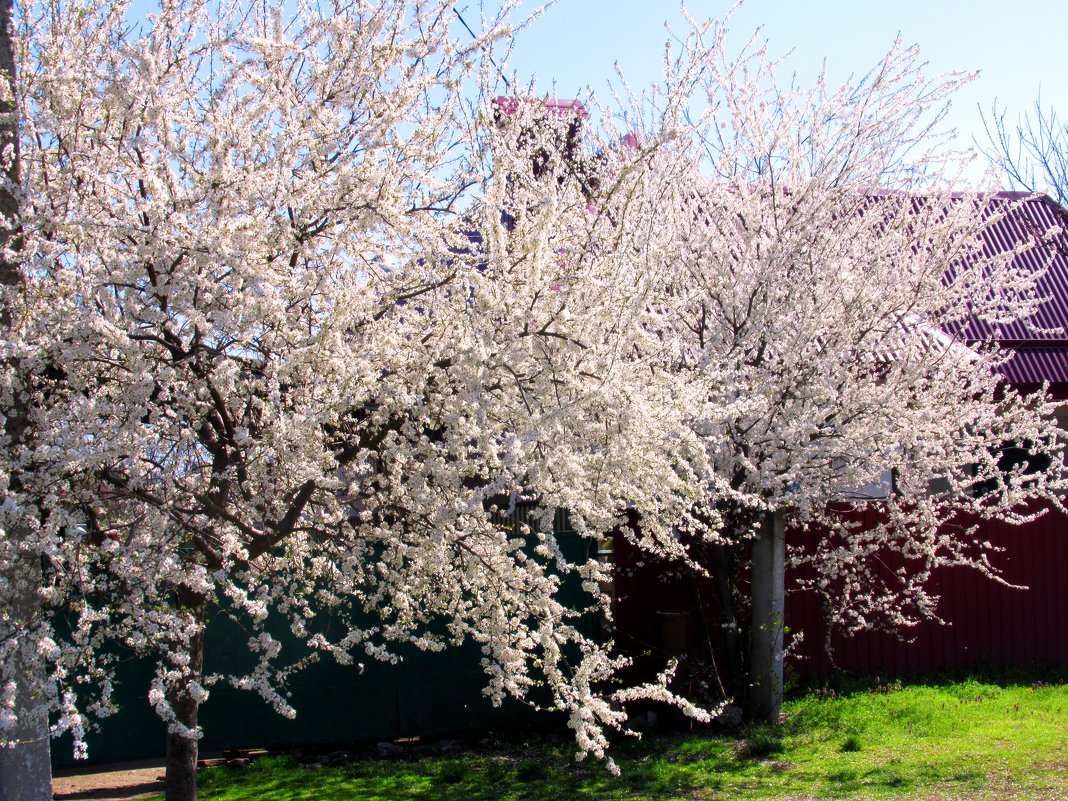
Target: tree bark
{"points": [[182, 752], [768, 588], [25, 768], [723, 567]]}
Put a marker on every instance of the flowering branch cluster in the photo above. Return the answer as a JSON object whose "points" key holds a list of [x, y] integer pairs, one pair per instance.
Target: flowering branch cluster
{"points": [[824, 283], [298, 328]]}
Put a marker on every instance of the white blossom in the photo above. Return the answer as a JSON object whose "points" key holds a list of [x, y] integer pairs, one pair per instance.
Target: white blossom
{"points": [[310, 326]]}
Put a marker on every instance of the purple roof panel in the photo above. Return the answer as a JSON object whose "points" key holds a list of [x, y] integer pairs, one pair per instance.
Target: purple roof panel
{"points": [[1035, 365], [1040, 342]]}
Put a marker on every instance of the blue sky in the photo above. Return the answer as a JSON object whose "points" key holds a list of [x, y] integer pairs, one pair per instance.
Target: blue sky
{"points": [[1018, 47]]}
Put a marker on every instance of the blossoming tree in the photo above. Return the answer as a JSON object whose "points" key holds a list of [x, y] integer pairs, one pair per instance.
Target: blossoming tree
{"points": [[269, 372], [825, 286], [1033, 154], [296, 325]]}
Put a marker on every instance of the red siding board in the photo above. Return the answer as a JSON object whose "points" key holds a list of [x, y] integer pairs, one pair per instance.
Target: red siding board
{"points": [[1058, 571], [1033, 573], [988, 622], [985, 613], [954, 639], [1050, 615], [1056, 617], [1003, 635]]}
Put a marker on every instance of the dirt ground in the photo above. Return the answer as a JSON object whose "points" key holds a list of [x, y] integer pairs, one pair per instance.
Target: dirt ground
{"points": [[117, 782]]}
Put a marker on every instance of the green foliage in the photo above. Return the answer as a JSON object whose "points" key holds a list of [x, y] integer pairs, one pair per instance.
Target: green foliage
{"points": [[967, 739]]}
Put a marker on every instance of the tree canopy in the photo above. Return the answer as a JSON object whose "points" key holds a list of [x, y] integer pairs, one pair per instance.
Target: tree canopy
{"points": [[302, 311]]}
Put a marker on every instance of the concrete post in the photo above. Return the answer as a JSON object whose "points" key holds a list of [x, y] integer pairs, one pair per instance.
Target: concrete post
{"points": [[768, 586]]}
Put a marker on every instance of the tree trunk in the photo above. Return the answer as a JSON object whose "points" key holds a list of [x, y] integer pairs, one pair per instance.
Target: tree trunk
{"points": [[25, 768], [181, 778], [9, 142], [723, 567], [768, 587]]}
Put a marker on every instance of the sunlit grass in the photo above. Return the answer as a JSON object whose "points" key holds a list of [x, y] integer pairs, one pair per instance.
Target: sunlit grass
{"points": [[970, 739]]}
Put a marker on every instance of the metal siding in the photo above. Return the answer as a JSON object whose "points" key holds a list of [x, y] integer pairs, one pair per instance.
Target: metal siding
{"points": [[996, 631], [989, 623], [1035, 364]]}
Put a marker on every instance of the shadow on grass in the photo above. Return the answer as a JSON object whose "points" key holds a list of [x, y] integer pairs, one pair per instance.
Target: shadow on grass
{"points": [[666, 768], [877, 741], [850, 682], [540, 775]]}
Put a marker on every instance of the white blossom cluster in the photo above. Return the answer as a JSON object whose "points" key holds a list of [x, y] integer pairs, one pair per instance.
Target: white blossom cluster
{"points": [[300, 325], [269, 374], [824, 276]]}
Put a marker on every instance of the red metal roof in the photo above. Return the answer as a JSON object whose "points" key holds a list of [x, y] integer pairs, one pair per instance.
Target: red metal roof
{"points": [[1035, 365], [1039, 342]]}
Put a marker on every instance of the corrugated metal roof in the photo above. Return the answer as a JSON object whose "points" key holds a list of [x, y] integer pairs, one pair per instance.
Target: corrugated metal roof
{"points": [[1039, 342], [1035, 365]]}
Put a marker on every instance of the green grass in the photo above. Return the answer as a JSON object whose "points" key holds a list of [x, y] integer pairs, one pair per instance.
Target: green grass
{"points": [[960, 740]]}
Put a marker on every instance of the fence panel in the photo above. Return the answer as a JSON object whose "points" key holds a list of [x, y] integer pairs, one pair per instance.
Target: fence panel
{"points": [[986, 622], [426, 694]]}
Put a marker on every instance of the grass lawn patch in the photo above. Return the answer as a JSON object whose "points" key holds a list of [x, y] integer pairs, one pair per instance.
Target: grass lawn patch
{"points": [[943, 740]]}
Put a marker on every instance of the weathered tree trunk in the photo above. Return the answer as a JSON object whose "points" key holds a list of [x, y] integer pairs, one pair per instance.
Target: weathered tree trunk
{"points": [[768, 588], [723, 567], [9, 202], [181, 777], [25, 769]]}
